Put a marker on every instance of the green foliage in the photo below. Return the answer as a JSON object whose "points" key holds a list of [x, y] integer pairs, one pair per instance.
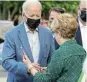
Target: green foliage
{"points": [[69, 6], [15, 6]]}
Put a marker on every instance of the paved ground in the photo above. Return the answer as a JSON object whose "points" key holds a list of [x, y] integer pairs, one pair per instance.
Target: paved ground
{"points": [[3, 75]]}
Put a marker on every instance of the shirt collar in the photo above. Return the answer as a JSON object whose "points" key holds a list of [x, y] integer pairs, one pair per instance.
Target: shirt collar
{"points": [[81, 25], [27, 30]]}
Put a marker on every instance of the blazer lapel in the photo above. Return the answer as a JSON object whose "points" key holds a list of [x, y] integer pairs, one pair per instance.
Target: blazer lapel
{"points": [[24, 41], [41, 40], [78, 36]]}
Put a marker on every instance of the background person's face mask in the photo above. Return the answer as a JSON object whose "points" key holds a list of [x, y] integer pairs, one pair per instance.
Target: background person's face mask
{"points": [[83, 14], [33, 23]]}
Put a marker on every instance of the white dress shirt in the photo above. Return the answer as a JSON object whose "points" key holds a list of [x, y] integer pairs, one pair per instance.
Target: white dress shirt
{"points": [[84, 42], [84, 35], [34, 43]]}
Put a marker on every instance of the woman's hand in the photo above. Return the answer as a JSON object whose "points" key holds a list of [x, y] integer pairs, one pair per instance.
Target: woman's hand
{"points": [[32, 67], [29, 65], [26, 60]]}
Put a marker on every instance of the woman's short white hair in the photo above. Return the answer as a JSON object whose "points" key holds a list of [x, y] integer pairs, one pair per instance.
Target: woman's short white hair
{"points": [[29, 2]]}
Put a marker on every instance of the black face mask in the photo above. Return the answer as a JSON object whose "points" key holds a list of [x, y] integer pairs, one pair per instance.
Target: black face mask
{"points": [[83, 15], [32, 23]]}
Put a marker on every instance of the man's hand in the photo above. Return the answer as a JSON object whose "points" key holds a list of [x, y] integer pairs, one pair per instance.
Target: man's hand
{"points": [[26, 60], [36, 66], [29, 63]]}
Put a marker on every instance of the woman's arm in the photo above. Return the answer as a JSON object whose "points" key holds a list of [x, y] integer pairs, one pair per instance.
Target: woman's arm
{"points": [[30, 67], [52, 73]]}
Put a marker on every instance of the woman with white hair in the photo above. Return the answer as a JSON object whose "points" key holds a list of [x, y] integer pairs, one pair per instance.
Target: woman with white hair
{"points": [[66, 62]]}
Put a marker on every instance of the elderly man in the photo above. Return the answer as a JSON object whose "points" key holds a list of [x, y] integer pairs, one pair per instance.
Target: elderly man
{"points": [[28, 37]]}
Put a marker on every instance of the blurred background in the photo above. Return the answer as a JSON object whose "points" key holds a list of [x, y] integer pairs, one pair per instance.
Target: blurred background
{"points": [[10, 15], [11, 10]]}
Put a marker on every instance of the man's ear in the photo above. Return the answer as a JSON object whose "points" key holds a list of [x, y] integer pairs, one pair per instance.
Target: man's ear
{"points": [[22, 14], [78, 10]]}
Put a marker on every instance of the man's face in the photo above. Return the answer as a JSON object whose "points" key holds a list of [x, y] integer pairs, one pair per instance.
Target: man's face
{"points": [[53, 15], [33, 12], [83, 5], [83, 11]]}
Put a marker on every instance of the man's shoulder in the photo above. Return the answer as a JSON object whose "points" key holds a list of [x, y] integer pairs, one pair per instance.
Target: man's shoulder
{"points": [[14, 29]]}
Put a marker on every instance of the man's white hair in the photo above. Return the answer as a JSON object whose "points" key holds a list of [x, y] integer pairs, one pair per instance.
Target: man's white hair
{"points": [[30, 2]]}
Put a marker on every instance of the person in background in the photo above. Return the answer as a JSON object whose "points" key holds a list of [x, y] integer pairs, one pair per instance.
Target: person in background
{"points": [[44, 23], [53, 13], [29, 37], [82, 30], [16, 20], [20, 18], [66, 62]]}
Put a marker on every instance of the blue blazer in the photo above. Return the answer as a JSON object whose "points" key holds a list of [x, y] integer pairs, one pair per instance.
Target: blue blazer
{"points": [[12, 54], [78, 36]]}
